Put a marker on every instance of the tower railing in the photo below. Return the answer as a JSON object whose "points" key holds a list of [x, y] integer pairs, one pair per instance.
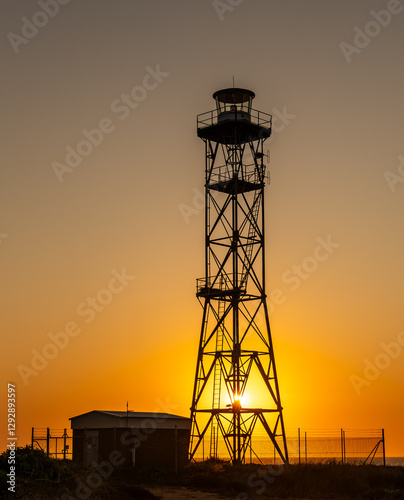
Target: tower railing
{"points": [[248, 173], [255, 117], [220, 285]]}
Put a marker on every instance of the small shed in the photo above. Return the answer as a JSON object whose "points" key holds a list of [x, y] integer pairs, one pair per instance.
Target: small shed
{"points": [[131, 438]]}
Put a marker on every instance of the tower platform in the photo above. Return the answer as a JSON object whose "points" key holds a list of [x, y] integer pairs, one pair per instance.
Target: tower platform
{"points": [[235, 186], [234, 179], [234, 127], [213, 287]]}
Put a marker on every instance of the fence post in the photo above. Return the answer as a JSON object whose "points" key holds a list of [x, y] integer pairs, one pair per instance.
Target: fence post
{"points": [[298, 437], [342, 446], [176, 448], [47, 441], [32, 438], [64, 444], [85, 447], [305, 444], [344, 449], [384, 450]]}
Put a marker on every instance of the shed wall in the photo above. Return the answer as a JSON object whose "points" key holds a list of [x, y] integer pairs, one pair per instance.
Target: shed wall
{"points": [[147, 447]]}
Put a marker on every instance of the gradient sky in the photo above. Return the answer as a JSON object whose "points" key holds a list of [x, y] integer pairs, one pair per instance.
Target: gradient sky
{"points": [[335, 173]]}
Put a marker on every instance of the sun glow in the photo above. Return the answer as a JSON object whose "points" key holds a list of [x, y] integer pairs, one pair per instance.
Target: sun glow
{"points": [[241, 399]]}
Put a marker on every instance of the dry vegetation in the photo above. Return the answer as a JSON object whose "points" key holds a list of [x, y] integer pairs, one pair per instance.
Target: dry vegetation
{"points": [[40, 477]]}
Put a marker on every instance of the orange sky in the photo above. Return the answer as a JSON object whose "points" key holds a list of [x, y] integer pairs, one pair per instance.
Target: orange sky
{"points": [[336, 175]]}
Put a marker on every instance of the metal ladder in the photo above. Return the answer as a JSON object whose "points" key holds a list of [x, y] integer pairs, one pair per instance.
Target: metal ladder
{"points": [[251, 234], [207, 200], [217, 380]]}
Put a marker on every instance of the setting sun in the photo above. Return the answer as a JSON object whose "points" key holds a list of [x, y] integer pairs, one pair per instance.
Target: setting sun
{"points": [[242, 399]]}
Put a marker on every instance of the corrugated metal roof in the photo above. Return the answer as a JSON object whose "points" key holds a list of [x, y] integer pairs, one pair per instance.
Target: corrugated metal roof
{"points": [[133, 414]]}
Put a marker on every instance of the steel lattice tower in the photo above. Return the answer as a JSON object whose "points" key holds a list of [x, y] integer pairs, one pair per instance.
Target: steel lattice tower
{"points": [[235, 357]]}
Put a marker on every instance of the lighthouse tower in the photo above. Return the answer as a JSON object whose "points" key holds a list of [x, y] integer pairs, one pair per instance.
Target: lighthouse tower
{"points": [[236, 409]]}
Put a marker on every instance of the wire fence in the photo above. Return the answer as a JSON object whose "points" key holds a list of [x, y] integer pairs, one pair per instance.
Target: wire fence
{"points": [[360, 446], [352, 445], [56, 443], [363, 446]]}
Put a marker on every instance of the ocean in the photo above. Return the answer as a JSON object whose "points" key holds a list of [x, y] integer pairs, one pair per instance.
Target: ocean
{"points": [[392, 461]]}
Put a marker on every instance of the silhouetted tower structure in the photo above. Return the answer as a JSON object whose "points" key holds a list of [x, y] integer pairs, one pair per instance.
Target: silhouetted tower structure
{"points": [[236, 386]]}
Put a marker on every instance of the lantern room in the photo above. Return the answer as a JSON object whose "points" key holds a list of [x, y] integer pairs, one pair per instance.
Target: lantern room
{"points": [[234, 121], [233, 103]]}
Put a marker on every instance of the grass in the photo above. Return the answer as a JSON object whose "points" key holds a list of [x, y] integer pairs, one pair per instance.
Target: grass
{"points": [[329, 480], [40, 477]]}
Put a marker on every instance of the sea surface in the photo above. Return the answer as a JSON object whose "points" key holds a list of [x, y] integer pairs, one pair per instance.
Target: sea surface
{"points": [[392, 461]]}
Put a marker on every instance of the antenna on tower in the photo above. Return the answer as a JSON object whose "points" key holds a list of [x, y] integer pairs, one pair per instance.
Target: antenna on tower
{"points": [[233, 81]]}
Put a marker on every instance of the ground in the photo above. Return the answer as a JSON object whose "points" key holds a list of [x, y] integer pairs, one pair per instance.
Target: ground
{"points": [[43, 478], [171, 493]]}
